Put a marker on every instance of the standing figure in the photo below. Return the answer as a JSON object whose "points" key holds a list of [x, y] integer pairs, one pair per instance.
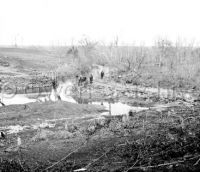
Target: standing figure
{"points": [[102, 74], [77, 78], [55, 85], [82, 79], [2, 135], [91, 79]]}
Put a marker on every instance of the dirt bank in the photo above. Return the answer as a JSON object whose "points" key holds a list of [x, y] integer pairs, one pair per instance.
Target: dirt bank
{"points": [[61, 136], [19, 114], [148, 140]]}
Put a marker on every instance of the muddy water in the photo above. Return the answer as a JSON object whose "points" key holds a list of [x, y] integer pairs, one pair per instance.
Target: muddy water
{"points": [[64, 90], [118, 108], [16, 99]]}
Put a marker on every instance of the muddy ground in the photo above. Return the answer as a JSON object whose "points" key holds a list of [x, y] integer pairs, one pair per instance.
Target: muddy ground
{"points": [[36, 124], [61, 136]]}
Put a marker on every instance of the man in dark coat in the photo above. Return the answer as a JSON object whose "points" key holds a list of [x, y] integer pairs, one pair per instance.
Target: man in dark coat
{"points": [[102, 74], [91, 79], [81, 80], [55, 86]]}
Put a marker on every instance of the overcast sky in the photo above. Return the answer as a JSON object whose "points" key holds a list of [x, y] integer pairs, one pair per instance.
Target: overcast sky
{"points": [[51, 22]]}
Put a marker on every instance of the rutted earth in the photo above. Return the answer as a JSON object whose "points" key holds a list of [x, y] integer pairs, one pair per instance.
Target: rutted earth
{"points": [[113, 100], [43, 131]]}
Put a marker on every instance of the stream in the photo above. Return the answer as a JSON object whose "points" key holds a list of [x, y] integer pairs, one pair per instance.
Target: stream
{"points": [[64, 91]]}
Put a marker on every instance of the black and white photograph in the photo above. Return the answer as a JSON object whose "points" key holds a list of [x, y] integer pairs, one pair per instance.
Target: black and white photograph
{"points": [[99, 85]]}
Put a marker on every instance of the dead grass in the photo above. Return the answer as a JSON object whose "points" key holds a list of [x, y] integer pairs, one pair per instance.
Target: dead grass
{"points": [[148, 141], [17, 114], [174, 63]]}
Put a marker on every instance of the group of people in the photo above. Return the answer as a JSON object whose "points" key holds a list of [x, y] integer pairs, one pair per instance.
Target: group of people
{"points": [[83, 79]]}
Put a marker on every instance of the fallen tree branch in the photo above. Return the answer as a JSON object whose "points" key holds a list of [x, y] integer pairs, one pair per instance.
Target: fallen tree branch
{"points": [[65, 157], [137, 160], [197, 162], [97, 159], [165, 164]]}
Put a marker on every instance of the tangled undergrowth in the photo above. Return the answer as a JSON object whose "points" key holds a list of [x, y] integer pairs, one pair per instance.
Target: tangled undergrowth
{"points": [[153, 141], [147, 141]]}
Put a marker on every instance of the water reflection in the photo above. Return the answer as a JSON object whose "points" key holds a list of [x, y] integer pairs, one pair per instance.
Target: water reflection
{"points": [[63, 90], [118, 108]]}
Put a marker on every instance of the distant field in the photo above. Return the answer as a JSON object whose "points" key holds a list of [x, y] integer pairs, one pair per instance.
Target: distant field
{"points": [[23, 61], [165, 63], [19, 65]]}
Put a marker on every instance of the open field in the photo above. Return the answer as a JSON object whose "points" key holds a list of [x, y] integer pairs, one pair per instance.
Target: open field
{"points": [[167, 64], [30, 65], [142, 116]]}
